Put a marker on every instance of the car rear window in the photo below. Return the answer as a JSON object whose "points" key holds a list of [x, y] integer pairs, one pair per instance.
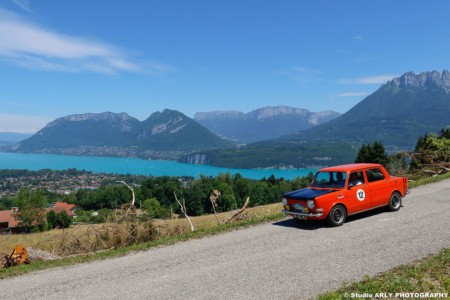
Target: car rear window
{"points": [[374, 174]]}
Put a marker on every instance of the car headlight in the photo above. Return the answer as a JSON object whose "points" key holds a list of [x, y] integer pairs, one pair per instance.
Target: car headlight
{"points": [[284, 201], [310, 204]]}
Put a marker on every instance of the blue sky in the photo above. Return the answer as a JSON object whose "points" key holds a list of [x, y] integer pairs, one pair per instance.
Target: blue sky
{"points": [[140, 56]]}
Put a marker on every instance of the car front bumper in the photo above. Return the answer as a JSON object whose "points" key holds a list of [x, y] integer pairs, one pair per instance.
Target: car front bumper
{"points": [[303, 215]]}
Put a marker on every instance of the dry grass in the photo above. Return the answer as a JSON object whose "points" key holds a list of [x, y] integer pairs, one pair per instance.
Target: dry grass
{"points": [[88, 238], [208, 221]]}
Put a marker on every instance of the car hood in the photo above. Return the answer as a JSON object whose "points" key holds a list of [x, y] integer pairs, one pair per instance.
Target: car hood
{"points": [[307, 194]]}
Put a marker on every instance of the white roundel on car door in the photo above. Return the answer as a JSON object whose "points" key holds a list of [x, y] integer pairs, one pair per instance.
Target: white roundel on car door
{"points": [[360, 195]]}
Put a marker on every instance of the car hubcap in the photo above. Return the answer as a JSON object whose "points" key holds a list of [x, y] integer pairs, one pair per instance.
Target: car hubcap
{"points": [[395, 201], [337, 215]]}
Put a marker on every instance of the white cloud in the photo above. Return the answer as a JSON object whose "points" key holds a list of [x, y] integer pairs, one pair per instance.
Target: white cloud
{"points": [[352, 94], [32, 46], [22, 123], [380, 79]]}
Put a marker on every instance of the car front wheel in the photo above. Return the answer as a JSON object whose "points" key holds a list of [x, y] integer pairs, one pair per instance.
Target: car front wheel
{"points": [[395, 202], [337, 216]]}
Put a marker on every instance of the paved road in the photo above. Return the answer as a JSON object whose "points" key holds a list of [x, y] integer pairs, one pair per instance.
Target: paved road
{"points": [[281, 260]]}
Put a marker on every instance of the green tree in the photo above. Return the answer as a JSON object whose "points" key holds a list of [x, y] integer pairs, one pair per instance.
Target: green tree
{"points": [[154, 209], [51, 219], [63, 220], [227, 200], [374, 153], [6, 203], [195, 199], [445, 133], [31, 206], [242, 189]]}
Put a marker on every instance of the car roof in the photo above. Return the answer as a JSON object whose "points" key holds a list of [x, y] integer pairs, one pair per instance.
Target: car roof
{"points": [[350, 167]]}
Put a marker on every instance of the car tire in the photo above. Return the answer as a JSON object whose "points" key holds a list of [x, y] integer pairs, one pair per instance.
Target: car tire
{"points": [[395, 202], [337, 216]]}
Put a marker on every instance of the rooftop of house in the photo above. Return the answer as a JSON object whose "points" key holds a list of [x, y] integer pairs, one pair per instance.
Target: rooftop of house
{"points": [[7, 216], [63, 206]]}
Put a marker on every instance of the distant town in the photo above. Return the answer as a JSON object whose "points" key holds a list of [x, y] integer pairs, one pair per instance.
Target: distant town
{"points": [[60, 182]]}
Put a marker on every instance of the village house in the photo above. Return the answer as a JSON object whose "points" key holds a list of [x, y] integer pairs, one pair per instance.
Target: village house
{"points": [[63, 206], [9, 223]]}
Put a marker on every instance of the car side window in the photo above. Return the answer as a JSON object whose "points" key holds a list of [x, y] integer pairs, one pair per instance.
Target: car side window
{"points": [[356, 178], [374, 175], [339, 179]]}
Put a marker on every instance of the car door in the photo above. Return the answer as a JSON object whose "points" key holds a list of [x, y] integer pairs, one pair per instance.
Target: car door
{"points": [[358, 193], [379, 186]]}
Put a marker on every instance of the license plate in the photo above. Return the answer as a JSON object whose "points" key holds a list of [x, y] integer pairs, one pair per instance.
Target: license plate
{"points": [[298, 207]]}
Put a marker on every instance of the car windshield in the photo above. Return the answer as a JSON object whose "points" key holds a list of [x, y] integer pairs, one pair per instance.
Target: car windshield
{"points": [[329, 180]]}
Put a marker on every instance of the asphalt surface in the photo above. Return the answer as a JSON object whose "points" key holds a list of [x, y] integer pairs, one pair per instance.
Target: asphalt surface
{"points": [[281, 260]]}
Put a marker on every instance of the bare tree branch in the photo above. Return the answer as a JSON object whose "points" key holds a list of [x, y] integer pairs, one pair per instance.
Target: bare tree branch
{"points": [[132, 192], [237, 213], [183, 209]]}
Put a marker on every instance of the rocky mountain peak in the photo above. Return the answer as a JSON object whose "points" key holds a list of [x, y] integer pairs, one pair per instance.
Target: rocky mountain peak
{"points": [[106, 116], [214, 115], [167, 121], [424, 79], [122, 120], [273, 111]]}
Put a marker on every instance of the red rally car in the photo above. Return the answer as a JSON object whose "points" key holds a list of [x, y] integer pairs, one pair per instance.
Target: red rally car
{"points": [[340, 191]]}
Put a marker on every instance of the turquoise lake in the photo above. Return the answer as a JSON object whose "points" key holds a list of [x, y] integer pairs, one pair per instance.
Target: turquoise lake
{"points": [[133, 166]]}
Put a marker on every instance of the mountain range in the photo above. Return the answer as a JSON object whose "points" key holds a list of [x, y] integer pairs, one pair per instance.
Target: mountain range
{"points": [[163, 135], [397, 114], [261, 124]]}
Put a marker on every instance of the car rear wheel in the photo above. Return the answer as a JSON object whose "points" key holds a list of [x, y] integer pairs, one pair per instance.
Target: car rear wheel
{"points": [[337, 216], [395, 202]]}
